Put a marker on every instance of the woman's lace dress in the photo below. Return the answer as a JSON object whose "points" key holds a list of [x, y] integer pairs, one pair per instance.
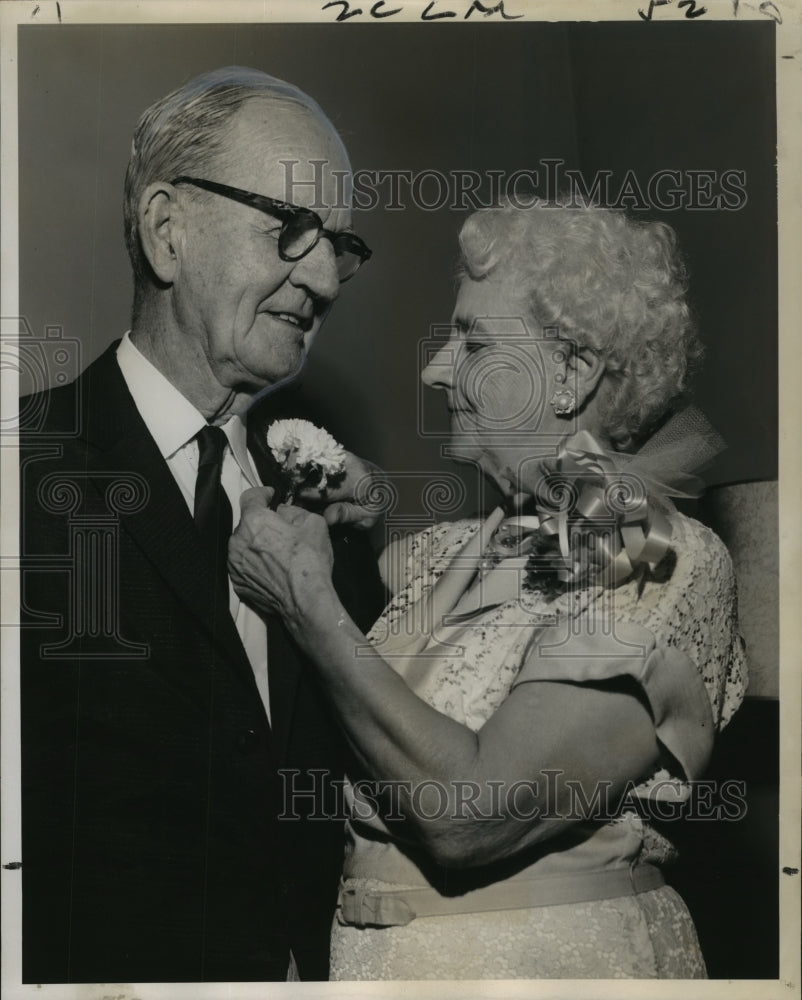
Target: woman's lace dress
{"points": [[677, 638]]}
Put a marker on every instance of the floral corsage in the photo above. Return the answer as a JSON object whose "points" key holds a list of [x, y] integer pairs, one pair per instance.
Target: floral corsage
{"points": [[598, 523], [599, 518]]}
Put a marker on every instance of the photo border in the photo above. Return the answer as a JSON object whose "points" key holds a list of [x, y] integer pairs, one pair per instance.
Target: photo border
{"points": [[789, 117]]}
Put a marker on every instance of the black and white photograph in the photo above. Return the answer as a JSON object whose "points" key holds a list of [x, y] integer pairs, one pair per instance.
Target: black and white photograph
{"points": [[400, 476]]}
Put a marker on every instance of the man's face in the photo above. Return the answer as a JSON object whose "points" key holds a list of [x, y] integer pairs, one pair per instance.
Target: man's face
{"points": [[253, 314]]}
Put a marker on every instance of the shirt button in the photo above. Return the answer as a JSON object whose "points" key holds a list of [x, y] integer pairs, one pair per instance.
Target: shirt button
{"points": [[247, 741]]}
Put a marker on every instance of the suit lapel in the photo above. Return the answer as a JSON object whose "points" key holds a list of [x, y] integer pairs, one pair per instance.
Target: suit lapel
{"points": [[266, 465], [163, 528], [283, 656]]}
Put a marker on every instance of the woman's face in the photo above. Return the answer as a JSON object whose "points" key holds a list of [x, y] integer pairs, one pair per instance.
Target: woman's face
{"points": [[497, 370]]}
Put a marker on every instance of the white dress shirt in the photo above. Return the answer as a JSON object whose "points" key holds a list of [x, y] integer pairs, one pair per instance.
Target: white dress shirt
{"points": [[173, 423]]}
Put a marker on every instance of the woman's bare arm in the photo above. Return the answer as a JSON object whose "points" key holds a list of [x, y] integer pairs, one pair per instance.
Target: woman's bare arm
{"points": [[470, 798]]}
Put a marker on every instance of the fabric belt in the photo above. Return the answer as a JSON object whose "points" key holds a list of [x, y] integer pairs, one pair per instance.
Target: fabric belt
{"points": [[398, 907]]}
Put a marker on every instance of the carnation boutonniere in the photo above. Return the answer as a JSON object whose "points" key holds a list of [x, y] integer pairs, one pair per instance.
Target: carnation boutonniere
{"points": [[309, 457]]}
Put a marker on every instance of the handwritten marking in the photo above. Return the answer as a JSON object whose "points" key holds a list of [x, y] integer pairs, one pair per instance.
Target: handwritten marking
{"points": [[770, 10], [767, 7], [425, 16], [692, 11], [374, 10], [35, 11], [58, 11], [790, 871], [487, 11], [13, 865], [652, 4], [346, 11], [429, 13]]}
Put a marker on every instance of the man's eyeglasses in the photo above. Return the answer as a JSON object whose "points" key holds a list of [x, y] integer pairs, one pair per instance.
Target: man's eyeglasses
{"points": [[301, 228]]}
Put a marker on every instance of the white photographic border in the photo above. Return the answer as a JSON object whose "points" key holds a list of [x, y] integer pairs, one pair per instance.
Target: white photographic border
{"points": [[788, 17]]}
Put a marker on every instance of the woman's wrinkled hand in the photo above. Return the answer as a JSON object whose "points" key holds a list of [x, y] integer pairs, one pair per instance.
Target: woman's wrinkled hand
{"points": [[352, 500], [279, 561]]}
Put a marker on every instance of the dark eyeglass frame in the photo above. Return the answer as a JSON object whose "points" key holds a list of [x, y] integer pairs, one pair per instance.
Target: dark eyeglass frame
{"points": [[286, 213]]}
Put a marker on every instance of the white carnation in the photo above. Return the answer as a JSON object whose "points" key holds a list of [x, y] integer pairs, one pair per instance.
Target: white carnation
{"points": [[308, 453]]}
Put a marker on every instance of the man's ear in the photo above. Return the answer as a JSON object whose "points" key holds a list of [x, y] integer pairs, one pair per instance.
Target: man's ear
{"points": [[157, 216], [587, 368]]}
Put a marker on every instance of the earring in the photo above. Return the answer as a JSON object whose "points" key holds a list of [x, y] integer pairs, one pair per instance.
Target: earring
{"points": [[563, 401]]}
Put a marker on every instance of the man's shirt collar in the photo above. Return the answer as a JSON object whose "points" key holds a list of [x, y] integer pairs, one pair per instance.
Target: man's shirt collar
{"points": [[169, 416]]}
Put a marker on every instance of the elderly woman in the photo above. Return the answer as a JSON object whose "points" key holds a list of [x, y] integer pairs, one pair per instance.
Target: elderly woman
{"points": [[538, 677]]}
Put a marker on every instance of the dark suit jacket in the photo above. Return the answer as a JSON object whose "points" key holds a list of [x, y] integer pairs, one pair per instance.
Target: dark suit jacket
{"points": [[154, 847]]}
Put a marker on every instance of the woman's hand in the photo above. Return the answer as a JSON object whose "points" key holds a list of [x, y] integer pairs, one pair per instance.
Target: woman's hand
{"points": [[355, 500], [491, 784], [279, 561]]}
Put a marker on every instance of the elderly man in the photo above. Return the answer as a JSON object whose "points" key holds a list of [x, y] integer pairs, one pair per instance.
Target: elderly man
{"points": [[163, 720]]}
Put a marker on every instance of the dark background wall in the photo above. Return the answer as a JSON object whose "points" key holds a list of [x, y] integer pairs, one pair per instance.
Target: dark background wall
{"points": [[615, 96]]}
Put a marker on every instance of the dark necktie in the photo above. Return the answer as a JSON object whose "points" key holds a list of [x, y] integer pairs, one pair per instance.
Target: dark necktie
{"points": [[213, 515]]}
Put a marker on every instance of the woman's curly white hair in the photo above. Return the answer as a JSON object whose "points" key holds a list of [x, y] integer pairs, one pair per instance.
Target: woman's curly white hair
{"points": [[608, 283]]}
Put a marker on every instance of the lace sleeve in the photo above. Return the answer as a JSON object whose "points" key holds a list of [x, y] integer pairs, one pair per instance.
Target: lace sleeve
{"points": [[695, 612]]}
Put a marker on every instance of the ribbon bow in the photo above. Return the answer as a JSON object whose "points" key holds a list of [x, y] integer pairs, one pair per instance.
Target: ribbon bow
{"points": [[605, 522]]}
